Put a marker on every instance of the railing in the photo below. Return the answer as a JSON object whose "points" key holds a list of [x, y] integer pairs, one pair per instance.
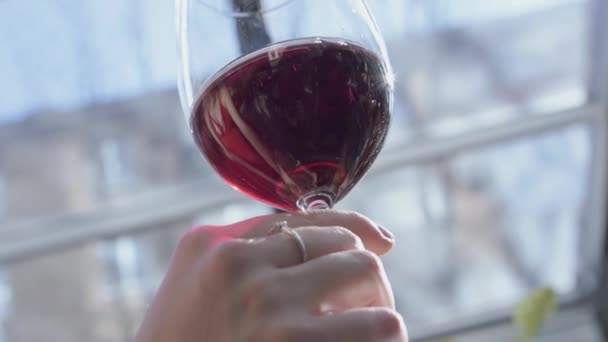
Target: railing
{"points": [[24, 239]]}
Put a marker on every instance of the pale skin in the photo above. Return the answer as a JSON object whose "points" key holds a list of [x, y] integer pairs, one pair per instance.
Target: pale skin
{"points": [[237, 283]]}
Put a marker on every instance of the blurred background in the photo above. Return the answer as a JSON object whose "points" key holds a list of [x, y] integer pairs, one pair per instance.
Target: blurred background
{"points": [[493, 178]]}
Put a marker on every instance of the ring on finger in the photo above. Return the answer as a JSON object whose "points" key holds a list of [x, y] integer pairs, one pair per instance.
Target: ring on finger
{"points": [[282, 226]]}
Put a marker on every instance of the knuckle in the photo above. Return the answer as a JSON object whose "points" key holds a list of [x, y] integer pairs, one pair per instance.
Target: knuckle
{"points": [[195, 240], [261, 295], [390, 323], [347, 239], [369, 261], [230, 256], [354, 216], [292, 332]]}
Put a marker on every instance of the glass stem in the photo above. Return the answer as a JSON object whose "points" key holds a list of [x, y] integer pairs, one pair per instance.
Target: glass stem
{"points": [[316, 200]]}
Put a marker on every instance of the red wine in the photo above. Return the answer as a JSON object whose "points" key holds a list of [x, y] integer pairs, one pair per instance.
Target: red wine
{"points": [[294, 118]]}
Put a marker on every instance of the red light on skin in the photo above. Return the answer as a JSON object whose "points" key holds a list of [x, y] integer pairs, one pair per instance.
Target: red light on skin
{"points": [[250, 228]]}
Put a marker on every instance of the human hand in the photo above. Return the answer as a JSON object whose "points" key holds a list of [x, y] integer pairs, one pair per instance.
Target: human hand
{"points": [[238, 284]]}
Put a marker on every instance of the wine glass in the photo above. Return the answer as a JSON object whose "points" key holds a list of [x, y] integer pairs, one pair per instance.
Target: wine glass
{"points": [[289, 100]]}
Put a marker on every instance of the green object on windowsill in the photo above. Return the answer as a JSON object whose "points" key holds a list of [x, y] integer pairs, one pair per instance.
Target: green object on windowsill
{"points": [[530, 315]]}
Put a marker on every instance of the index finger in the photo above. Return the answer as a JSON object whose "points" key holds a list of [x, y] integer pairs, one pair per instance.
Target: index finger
{"points": [[375, 238]]}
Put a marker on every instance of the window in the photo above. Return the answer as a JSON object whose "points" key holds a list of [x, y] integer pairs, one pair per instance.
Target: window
{"points": [[5, 303], [475, 232], [493, 179], [123, 263], [2, 195]]}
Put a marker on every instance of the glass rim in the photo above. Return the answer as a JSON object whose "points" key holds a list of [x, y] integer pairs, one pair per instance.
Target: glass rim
{"points": [[244, 14]]}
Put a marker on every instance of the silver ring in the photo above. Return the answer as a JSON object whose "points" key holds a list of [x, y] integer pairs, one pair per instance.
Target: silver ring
{"points": [[283, 227]]}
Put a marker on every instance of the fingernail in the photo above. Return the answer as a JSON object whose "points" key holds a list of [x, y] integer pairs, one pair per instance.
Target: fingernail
{"points": [[386, 233]]}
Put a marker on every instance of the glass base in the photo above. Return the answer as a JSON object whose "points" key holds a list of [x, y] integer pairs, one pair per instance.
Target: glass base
{"points": [[317, 200]]}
